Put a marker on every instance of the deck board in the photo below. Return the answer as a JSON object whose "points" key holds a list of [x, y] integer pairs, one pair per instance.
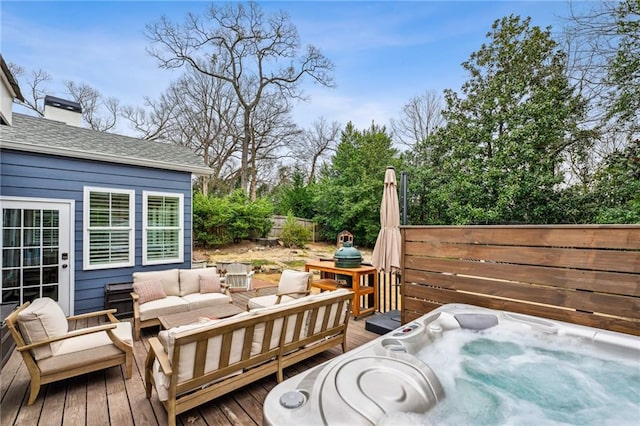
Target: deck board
{"points": [[107, 398]]}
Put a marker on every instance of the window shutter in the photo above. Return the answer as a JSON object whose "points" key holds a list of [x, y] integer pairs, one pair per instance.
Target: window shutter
{"points": [[163, 228], [109, 234]]}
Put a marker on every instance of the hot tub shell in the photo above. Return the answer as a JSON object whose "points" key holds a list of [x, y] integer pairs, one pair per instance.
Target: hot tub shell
{"points": [[383, 376]]}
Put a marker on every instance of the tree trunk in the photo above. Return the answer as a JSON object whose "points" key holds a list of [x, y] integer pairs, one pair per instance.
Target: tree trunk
{"points": [[244, 166], [206, 179]]}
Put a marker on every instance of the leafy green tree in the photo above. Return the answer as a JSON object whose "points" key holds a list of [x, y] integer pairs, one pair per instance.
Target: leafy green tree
{"points": [[617, 187], [624, 72], [506, 133], [349, 192], [603, 44], [295, 197], [427, 199]]}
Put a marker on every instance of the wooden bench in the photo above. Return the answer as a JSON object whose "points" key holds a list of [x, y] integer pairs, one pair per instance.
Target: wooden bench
{"points": [[190, 365]]}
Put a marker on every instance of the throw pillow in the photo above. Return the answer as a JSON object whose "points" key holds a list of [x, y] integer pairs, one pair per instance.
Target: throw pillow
{"points": [[210, 284], [149, 290]]}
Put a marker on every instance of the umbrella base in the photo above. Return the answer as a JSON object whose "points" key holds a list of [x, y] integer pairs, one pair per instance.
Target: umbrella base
{"points": [[383, 323]]}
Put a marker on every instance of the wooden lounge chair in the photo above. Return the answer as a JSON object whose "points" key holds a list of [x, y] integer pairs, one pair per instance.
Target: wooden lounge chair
{"points": [[292, 284], [52, 352], [238, 276]]}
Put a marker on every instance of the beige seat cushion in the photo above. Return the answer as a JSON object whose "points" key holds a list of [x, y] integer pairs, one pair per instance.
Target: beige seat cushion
{"points": [[166, 306], [43, 319], [206, 300], [190, 279], [266, 301], [95, 340], [66, 361], [169, 278]]}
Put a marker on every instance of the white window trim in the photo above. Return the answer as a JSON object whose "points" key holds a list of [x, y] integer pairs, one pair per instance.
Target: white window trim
{"points": [[145, 197], [85, 226]]}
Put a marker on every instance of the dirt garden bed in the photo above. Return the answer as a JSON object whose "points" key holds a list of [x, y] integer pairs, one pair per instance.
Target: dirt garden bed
{"points": [[269, 261]]}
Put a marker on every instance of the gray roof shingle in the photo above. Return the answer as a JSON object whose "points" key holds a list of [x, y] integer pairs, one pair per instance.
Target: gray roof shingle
{"points": [[40, 135]]}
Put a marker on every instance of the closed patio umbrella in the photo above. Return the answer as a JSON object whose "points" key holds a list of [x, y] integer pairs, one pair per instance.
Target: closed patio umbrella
{"points": [[386, 253]]}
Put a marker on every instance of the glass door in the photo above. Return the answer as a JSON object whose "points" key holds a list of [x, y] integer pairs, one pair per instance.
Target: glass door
{"points": [[36, 257]]}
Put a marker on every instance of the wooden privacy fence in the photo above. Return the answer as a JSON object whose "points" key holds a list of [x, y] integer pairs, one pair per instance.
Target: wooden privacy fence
{"points": [[278, 223], [584, 274]]}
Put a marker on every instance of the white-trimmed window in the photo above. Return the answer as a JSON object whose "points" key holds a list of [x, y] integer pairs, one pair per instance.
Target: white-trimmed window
{"points": [[162, 228], [109, 217]]}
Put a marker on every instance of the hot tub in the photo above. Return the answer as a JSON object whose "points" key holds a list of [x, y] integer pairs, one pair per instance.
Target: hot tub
{"points": [[462, 364]]}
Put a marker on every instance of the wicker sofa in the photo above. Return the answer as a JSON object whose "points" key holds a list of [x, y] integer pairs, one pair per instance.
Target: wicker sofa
{"points": [[171, 291], [195, 363]]}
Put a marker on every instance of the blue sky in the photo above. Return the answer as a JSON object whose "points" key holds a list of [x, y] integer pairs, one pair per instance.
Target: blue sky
{"points": [[384, 52]]}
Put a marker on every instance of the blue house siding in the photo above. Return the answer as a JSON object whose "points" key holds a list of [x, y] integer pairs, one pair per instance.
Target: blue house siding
{"points": [[26, 174]]}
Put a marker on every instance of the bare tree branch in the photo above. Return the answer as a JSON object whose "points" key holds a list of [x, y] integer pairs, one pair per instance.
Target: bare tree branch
{"points": [[99, 113], [239, 45], [37, 84], [420, 117]]}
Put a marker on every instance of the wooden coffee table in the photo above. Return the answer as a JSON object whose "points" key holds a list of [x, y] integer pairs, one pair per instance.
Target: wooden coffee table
{"points": [[189, 317]]}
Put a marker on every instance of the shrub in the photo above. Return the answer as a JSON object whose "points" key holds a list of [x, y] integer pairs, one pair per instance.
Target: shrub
{"points": [[293, 233], [210, 221], [220, 221]]}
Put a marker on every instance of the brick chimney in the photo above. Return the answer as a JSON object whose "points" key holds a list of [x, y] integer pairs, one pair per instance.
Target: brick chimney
{"points": [[57, 109]]}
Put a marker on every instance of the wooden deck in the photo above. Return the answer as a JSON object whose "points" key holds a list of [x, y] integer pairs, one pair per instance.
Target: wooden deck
{"points": [[106, 398]]}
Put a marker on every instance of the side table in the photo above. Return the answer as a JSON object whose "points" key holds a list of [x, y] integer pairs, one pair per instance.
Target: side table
{"points": [[189, 317], [364, 284]]}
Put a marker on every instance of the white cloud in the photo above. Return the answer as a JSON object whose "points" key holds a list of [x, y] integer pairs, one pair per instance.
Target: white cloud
{"points": [[333, 106]]}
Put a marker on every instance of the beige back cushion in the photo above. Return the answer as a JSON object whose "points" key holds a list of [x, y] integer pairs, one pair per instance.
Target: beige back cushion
{"points": [[258, 336], [168, 278], [190, 279], [291, 281], [188, 351], [333, 310], [41, 320]]}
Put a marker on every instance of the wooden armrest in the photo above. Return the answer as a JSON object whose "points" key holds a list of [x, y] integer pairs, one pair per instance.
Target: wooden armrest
{"points": [[279, 295], [135, 296], [305, 292], [256, 291], [75, 333], [236, 274], [225, 289], [92, 314], [156, 350]]}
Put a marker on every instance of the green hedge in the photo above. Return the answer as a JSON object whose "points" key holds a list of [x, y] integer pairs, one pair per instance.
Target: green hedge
{"points": [[220, 221]]}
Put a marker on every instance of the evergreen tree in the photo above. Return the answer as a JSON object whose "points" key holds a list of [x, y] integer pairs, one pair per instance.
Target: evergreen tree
{"points": [[505, 135], [349, 193]]}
